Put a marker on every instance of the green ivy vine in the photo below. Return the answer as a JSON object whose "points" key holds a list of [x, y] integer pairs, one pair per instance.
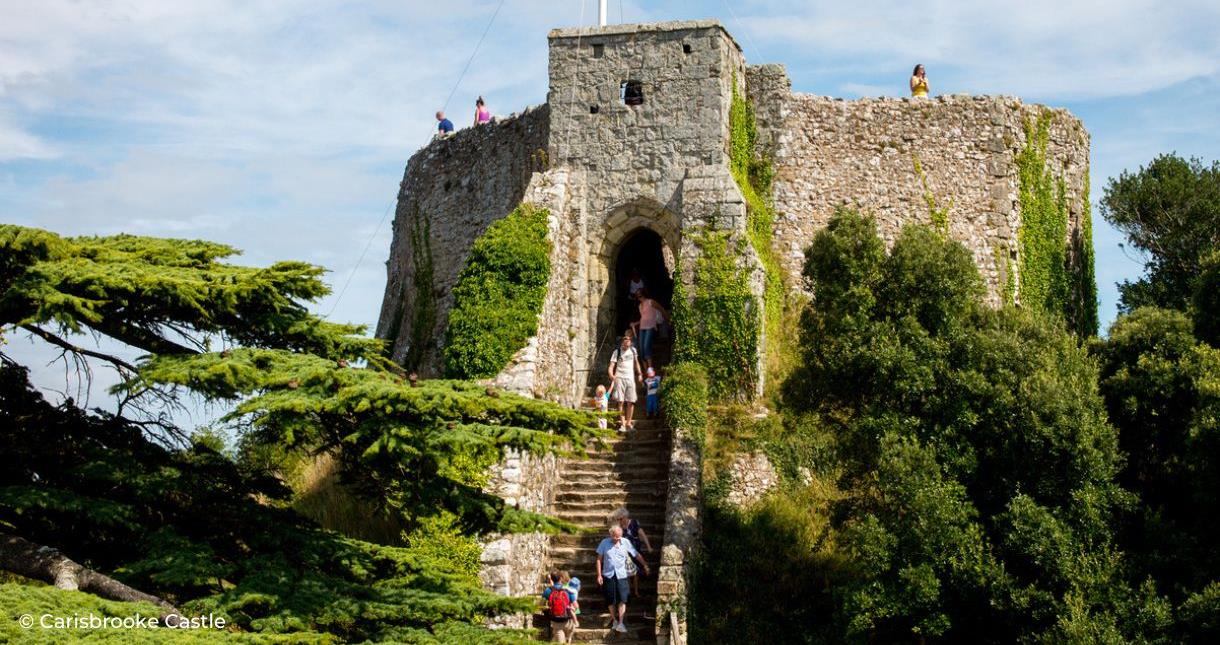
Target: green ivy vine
{"points": [[499, 295], [939, 214], [718, 327], [753, 174], [1055, 277], [423, 318]]}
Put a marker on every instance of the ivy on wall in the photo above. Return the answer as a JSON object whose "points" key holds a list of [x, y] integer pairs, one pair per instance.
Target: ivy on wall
{"points": [[939, 214], [1055, 276], [754, 173], [718, 328], [499, 295], [423, 318]]}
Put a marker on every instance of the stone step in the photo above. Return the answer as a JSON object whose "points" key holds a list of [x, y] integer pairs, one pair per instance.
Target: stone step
{"points": [[591, 466], [595, 481], [591, 540], [601, 519], [638, 508], [615, 497]]}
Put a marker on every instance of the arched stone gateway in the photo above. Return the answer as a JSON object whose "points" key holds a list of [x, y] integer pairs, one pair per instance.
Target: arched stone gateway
{"points": [[639, 234]]}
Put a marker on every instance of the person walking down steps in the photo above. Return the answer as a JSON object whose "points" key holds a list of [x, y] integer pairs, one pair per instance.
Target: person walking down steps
{"points": [[624, 374], [613, 554], [561, 607]]}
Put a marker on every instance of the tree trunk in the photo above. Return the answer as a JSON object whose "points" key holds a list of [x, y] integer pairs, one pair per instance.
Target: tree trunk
{"points": [[25, 558]]}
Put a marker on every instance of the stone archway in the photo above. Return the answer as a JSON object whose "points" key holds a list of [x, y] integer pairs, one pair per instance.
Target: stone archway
{"points": [[650, 225]]}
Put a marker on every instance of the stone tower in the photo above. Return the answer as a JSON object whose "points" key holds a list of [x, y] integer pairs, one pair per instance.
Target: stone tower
{"points": [[630, 154]]}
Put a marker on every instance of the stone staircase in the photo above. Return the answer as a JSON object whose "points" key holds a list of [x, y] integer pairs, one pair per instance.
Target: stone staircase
{"points": [[631, 470]]}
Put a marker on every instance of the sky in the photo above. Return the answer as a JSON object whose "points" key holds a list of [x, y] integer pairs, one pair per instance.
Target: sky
{"points": [[283, 128]]}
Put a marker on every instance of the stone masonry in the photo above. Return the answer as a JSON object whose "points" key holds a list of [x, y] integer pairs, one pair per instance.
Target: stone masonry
{"points": [[606, 170]]}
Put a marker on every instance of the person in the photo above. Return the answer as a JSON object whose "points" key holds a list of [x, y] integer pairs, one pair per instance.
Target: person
{"points": [[601, 401], [573, 588], [481, 113], [651, 316], [612, 556], [652, 394], [444, 126], [635, 284], [919, 82], [635, 534], [560, 607], [624, 372]]}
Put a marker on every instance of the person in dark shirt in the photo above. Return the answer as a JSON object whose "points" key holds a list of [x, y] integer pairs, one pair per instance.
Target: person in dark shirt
{"points": [[444, 126]]}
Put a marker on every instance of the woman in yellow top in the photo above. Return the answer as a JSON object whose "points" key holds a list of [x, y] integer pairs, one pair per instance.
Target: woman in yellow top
{"points": [[919, 82]]}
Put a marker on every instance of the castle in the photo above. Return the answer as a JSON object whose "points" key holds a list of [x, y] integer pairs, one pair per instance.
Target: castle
{"points": [[631, 157], [625, 184]]}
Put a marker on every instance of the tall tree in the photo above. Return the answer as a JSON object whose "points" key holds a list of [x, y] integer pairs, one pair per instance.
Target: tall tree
{"points": [[99, 489], [1170, 212]]}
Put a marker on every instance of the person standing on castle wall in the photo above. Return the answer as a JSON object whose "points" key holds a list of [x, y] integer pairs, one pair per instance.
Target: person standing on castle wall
{"points": [[919, 82], [651, 315], [624, 372], [443, 126], [481, 113]]}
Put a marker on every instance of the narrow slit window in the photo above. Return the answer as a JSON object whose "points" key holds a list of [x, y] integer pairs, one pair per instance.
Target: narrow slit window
{"points": [[633, 92], [599, 51], [686, 48], [593, 109]]}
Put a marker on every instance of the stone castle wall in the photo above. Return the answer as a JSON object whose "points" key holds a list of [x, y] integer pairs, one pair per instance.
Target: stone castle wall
{"points": [[829, 153], [459, 185]]}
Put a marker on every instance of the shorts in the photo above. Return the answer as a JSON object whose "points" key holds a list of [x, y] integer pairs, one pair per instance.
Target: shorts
{"points": [[563, 631], [615, 591], [624, 390]]}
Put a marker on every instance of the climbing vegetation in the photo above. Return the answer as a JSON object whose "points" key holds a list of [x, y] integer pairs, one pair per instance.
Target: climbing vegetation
{"points": [[423, 316], [684, 397], [939, 214], [753, 173], [210, 526], [499, 294], [718, 327], [1054, 275]]}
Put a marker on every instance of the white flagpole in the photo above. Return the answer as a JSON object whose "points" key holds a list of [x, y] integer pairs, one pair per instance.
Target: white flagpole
{"points": [[601, 13]]}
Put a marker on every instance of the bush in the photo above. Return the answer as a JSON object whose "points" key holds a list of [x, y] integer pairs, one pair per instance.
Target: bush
{"points": [[499, 295], [684, 398]]}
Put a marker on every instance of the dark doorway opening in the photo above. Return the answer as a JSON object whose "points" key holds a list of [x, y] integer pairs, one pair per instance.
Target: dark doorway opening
{"points": [[643, 251]]}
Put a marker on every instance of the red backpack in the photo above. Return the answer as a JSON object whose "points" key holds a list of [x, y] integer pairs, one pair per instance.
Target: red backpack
{"points": [[559, 604]]}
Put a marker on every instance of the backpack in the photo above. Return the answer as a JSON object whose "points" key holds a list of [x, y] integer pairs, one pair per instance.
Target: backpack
{"points": [[559, 604]]}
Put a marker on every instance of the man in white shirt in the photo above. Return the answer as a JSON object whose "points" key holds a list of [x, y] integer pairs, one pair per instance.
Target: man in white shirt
{"points": [[612, 556], [624, 373]]}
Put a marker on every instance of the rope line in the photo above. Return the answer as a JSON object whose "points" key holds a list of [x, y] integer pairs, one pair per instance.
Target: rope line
{"points": [[359, 260], [386, 214], [474, 53], [742, 26]]}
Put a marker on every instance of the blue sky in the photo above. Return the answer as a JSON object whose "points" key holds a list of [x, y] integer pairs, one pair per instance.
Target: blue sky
{"points": [[283, 127]]}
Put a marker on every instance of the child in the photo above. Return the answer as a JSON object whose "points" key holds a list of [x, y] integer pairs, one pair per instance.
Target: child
{"points": [[574, 591], [601, 401], [560, 603], [653, 383]]}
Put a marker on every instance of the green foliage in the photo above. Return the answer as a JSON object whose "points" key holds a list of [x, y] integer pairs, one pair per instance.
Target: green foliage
{"points": [[38, 601], [1170, 211], [1205, 304], [499, 295], [753, 174], [1054, 275], [139, 289], [423, 317], [1162, 390], [939, 214], [684, 396], [972, 449], [765, 574], [213, 535], [398, 444], [718, 328]]}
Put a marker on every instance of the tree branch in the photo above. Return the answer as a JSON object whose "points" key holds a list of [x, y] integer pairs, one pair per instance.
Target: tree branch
{"points": [[76, 349], [22, 557], [142, 338]]}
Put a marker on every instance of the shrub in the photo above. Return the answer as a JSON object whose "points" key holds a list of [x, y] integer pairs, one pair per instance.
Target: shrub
{"points": [[684, 398], [499, 295]]}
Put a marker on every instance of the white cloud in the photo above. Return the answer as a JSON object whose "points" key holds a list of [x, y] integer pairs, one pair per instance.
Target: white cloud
{"points": [[16, 143]]}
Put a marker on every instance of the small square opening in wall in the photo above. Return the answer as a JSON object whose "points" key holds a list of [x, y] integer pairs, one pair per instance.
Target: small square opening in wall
{"points": [[686, 48], [599, 50], [593, 109], [633, 92]]}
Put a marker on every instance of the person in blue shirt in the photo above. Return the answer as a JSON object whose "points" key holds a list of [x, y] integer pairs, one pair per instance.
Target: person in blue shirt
{"points": [[612, 556], [444, 126], [563, 628]]}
